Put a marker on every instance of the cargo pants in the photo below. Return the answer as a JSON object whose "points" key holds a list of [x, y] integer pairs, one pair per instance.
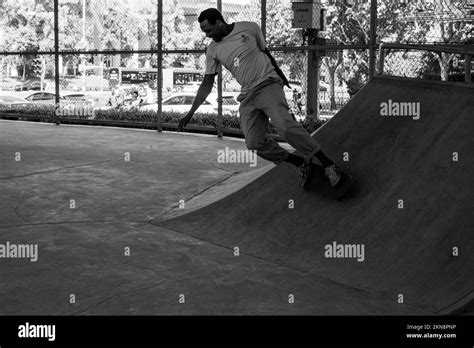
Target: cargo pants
{"points": [[266, 101]]}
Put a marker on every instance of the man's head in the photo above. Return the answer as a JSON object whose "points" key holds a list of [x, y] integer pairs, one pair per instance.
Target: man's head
{"points": [[212, 24]]}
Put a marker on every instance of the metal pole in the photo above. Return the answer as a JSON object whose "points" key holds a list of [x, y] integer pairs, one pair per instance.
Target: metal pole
{"points": [[101, 62], [318, 61], [56, 56], [468, 68], [43, 72], [84, 43], [373, 37], [1, 68], [159, 76], [381, 59], [313, 75], [263, 14], [220, 128]]}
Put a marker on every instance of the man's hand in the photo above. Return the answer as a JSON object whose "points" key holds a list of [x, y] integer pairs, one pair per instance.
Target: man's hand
{"points": [[202, 93], [184, 121]]}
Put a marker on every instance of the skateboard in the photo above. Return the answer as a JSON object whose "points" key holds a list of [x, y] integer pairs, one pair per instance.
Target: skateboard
{"points": [[319, 182]]}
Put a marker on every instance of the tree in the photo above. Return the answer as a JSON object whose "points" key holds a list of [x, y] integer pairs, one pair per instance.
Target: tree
{"points": [[453, 30], [444, 22], [332, 62], [180, 34], [26, 26], [348, 25], [279, 33], [430, 21]]}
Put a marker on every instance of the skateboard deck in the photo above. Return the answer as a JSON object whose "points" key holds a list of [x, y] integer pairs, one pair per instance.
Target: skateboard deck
{"points": [[320, 183]]}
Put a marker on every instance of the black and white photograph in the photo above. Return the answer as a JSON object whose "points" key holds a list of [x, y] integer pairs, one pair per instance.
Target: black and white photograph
{"points": [[236, 171]]}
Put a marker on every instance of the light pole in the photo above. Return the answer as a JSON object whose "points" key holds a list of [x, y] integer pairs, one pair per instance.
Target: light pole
{"points": [[84, 45]]}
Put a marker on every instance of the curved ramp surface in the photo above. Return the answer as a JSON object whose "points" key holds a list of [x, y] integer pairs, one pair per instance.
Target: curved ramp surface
{"points": [[410, 214]]}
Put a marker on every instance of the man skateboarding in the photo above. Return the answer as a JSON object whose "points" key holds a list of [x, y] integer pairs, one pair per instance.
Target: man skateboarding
{"points": [[240, 47]]}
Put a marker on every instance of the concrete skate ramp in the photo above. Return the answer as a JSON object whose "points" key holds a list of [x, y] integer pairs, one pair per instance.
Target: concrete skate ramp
{"points": [[396, 160]]}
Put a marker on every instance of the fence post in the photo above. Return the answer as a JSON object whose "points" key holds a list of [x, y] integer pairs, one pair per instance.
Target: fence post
{"points": [[313, 74], [381, 59], [467, 67], [159, 76], [56, 57], [373, 37], [220, 128]]}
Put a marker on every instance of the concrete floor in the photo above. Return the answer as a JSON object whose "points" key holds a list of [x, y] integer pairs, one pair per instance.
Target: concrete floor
{"points": [[81, 250]]}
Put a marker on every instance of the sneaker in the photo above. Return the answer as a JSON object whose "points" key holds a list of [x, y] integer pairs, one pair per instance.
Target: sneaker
{"points": [[305, 171], [333, 173]]}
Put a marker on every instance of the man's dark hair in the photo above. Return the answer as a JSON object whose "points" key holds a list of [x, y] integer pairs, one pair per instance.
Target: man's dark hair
{"points": [[212, 15]]}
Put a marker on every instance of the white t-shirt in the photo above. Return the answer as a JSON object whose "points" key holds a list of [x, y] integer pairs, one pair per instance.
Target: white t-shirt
{"points": [[241, 52]]}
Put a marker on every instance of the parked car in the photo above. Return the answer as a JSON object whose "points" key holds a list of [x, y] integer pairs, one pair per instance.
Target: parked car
{"points": [[50, 98], [182, 102], [8, 101], [77, 98], [30, 86], [42, 98]]}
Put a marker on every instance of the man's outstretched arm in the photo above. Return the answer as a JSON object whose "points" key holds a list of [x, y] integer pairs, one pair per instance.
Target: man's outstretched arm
{"points": [[202, 93]]}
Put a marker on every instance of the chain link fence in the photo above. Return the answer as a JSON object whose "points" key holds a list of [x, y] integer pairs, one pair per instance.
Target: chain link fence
{"points": [[438, 36], [122, 62]]}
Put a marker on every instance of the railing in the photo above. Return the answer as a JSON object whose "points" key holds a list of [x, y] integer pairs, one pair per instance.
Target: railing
{"points": [[467, 51]]}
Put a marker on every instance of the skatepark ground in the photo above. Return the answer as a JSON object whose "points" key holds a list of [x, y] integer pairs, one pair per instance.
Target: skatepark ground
{"points": [[112, 235]]}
